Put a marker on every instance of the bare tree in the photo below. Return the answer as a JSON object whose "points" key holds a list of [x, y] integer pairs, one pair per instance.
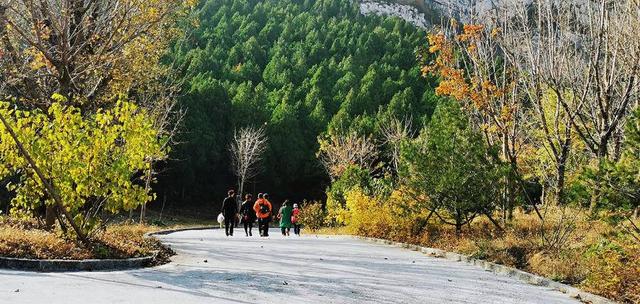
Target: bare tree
{"points": [[538, 38], [86, 50], [337, 153], [612, 51], [167, 117], [394, 133], [159, 96], [247, 149], [585, 56]]}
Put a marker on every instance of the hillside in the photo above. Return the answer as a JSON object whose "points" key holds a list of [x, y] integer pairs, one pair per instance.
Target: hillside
{"points": [[303, 68]]}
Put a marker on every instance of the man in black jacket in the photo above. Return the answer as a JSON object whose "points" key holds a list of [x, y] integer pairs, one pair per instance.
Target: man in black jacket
{"points": [[229, 210]]}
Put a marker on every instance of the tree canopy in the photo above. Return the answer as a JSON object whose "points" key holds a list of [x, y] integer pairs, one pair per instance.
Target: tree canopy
{"points": [[303, 68]]}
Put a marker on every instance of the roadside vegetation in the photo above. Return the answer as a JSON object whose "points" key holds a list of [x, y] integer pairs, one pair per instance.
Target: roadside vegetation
{"points": [[87, 113], [29, 239], [121, 238], [591, 254], [530, 159]]}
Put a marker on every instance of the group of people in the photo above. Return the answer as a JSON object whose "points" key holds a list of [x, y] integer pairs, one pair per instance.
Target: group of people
{"points": [[260, 210]]}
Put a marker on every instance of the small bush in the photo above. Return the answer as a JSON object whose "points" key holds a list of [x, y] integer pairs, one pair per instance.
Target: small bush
{"points": [[337, 210], [312, 216], [562, 267], [123, 241], [613, 269], [367, 216]]}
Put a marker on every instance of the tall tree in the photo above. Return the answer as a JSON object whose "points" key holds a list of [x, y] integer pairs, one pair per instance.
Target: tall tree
{"points": [[470, 62], [544, 56], [586, 55], [88, 53]]}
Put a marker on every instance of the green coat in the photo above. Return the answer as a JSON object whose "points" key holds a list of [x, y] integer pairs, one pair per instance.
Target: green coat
{"points": [[285, 216]]}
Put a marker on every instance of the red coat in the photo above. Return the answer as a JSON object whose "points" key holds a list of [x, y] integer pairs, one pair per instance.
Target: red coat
{"points": [[294, 215], [257, 209]]}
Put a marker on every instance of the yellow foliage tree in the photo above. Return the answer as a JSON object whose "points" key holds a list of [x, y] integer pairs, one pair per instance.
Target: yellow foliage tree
{"points": [[90, 53], [471, 69], [82, 165]]}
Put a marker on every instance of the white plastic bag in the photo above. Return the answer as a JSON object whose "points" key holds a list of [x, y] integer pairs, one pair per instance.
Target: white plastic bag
{"points": [[220, 218]]}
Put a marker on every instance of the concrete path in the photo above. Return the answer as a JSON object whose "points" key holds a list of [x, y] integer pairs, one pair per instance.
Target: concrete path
{"points": [[211, 268]]}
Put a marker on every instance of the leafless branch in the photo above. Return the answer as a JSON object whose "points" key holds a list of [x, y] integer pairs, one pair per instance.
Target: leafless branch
{"points": [[247, 149], [337, 153], [393, 134]]}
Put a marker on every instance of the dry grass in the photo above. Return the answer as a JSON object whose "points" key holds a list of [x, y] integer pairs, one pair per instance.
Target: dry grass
{"points": [[125, 241], [26, 239], [38, 244]]}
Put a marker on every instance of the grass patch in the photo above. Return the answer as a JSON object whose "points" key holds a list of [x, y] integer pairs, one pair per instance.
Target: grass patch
{"points": [[27, 239], [38, 244]]}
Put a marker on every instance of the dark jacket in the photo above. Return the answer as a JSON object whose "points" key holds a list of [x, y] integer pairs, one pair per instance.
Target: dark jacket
{"points": [[247, 209], [229, 206]]}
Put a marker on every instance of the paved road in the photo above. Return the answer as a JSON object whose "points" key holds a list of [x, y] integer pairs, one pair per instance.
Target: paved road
{"points": [[211, 268]]}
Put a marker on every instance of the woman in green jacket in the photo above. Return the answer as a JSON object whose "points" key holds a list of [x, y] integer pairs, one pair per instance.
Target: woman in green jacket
{"points": [[285, 217]]}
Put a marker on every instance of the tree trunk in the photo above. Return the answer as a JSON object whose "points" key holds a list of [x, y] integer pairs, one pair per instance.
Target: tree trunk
{"points": [[510, 199], [147, 185], [496, 224], [240, 192], [511, 182], [597, 185], [560, 186], [142, 213], [49, 217], [458, 223]]}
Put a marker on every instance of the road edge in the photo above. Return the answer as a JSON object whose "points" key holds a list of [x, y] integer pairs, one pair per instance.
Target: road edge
{"points": [[523, 276], [60, 265]]}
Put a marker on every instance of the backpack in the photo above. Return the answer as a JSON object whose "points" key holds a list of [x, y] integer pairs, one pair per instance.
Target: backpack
{"points": [[264, 209]]}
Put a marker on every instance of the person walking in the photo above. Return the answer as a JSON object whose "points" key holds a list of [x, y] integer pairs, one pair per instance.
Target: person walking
{"points": [[263, 210], [256, 210], [284, 214], [248, 216], [295, 219], [229, 211]]}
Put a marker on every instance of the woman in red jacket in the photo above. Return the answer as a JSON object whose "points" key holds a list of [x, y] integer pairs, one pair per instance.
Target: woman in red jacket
{"points": [[295, 219]]}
